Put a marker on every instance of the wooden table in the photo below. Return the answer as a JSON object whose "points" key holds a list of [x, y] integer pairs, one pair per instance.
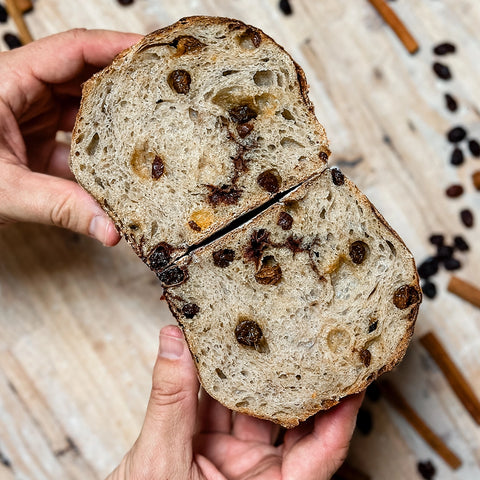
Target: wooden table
{"points": [[79, 322]]}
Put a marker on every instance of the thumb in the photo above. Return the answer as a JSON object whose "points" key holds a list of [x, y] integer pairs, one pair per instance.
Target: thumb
{"points": [[165, 442]]}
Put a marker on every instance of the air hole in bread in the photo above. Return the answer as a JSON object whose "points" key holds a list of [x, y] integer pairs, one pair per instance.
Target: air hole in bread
{"points": [[93, 144], [153, 228], [298, 377], [272, 147], [80, 138], [243, 403], [264, 78], [392, 248], [289, 142], [229, 72], [338, 339], [193, 114], [220, 374], [82, 166], [322, 214], [99, 182], [250, 39], [287, 114]]}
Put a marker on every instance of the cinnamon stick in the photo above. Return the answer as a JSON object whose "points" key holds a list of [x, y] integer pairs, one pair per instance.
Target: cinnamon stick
{"points": [[455, 378], [402, 406], [476, 179], [24, 5], [464, 290], [16, 14], [396, 25]]}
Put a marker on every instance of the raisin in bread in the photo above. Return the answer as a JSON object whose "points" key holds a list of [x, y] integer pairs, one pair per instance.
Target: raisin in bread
{"points": [[306, 303], [292, 291], [193, 126]]}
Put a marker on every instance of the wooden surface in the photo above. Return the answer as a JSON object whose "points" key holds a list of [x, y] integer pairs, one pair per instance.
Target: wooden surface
{"points": [[79, 322]]}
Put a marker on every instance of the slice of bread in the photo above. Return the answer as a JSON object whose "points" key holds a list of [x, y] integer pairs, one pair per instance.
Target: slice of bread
{"points": [[193, 126], [201, 143], [306, 303]]}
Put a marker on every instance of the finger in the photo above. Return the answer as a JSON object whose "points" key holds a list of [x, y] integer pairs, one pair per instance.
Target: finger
{"points": [[213, 417], [68, 114], [35, 197], [296, 434], [58, 164], [167, 432], [250, 429]]}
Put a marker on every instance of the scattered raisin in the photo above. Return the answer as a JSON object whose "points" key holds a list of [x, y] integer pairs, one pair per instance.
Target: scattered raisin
{"points": [[466, 216], [12, 41], [444, 252], [460, 243], [454, 191], [366, 357], [244, 129], [457, 157], [428, 268], [357, 252], [337, 177], [442, 71], [456, 134], [444, 48], [451, 103], [294, 244], [285, 7], [160, 257], [429, 289], [223, 258], [437, 239], [452, 264], [226, 194], [373, 326], [269, 181], [323, 156], [157, 168], [426, 469], [285, 221], [269, 274], [242, 114], [364, 421], [179, 80], [474, 148], [248, 333], [3, 14], [125, 2], [187, 44], [405, 296], [173, 276], [189, 310], [259, 239], [194, 226]]}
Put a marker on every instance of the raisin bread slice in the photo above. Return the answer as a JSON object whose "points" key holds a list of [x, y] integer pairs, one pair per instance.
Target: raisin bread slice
{"points": [[196, 124], [306, 303]]}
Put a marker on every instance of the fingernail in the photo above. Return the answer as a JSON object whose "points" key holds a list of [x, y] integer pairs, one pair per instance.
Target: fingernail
{"points": [[170, 347], [98, 227]]}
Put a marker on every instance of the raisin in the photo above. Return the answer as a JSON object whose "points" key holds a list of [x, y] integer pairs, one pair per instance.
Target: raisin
{"points": [[187, 44], [405, 296], [429, 289], [457, 157], [269, 275], [223, 258], [252, 35], [474, 148], [437, 239], [460, 243], [452, 264], [244, 129], [157, 168], [226, 194], [173, 276], [366, 357], [285, 7], [456, 134], [442, 71], [285, 221], [428, 268], [466, 216], [242, 114], [269, 181], [160, 257], [189, 310], [364, 422], [454, 191], [179, 80], [248, 333], [3, 14], [373, 326], [444, 48], [451, 103], [12, 41], [426, 469], [337, 177], [294, 244], [125, 2], [444, 252], [259, 239], [323, 156], [194, 226], [357, 252], [373, 392]]}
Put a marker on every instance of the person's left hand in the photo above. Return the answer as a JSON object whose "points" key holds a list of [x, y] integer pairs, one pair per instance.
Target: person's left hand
{"points": [[40, 92]]}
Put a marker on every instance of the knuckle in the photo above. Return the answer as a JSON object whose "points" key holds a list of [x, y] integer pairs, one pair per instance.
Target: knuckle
{"points": [[77, 33], [62, 214], [168, 393]]}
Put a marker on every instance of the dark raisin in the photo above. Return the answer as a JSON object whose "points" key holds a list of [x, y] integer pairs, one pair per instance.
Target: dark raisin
{"points": [[12, 41], [452, 264], [429, 289], [189, 310], [373, 392], [457, 157], [248, 333], [460, 243], [187, 44], [294, 244], [337, 177], [242, 114], [444, 48], [194, 226], [454, 191], [3, 14], [466, 216], [373, 326], [269, 274], [285, 7], [226, 194], [179, 80], [160, 257], [437, 239], [428, 268], [244, 129], [249, 35], [366, 357], [357, 252], [223, 258], [259, 239], [364, 421], [173, 276], [426, 469], [157, 168], [285, 221], [474, 148], [269, 181], [451, 103], [405, 296], [456, 134], [323, 156], [444, 252], [442, 71], [125, 2]]}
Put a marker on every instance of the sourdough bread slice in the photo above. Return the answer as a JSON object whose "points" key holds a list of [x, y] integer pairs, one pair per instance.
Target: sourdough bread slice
{"points": [[306, 303], [196, 124]]}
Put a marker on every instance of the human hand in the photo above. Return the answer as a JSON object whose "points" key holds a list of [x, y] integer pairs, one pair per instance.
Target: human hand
{"points": [[181, 440], [40, 92]]}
